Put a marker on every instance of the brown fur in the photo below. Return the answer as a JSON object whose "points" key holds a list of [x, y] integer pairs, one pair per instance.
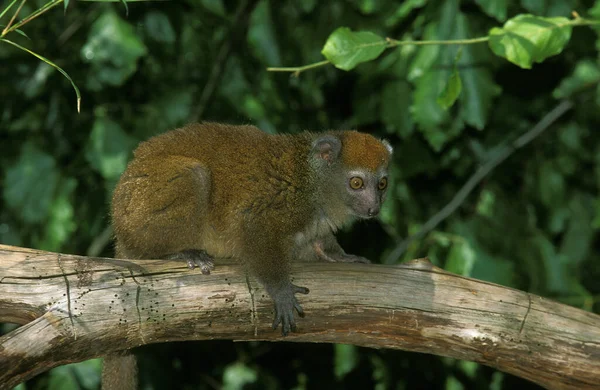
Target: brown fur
{"points": [[363, 150]]}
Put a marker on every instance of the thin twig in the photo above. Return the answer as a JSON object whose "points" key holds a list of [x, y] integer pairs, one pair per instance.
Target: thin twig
{"points": [[10, 22], [504, 152]]}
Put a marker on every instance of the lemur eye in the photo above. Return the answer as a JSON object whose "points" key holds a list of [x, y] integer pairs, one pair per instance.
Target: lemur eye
{"points": [[382, 183], [356, 183]]}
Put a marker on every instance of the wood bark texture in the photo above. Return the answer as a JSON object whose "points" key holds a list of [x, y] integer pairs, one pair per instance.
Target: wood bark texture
{"points": [[74, 308]]}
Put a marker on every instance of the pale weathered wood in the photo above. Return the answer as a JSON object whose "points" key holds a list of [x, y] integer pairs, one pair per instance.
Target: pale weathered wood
{"points": [[75, 308]]}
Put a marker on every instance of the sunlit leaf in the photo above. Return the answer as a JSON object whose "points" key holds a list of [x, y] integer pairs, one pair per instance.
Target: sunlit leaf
{"points": [[346, 49], [345, 360], [112, 50], [238, 375], [453, 87], [526, 39]]}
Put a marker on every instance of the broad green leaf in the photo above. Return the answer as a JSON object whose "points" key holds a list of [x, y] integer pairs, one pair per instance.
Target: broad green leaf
{"points": [[461, 258], [586, 73], [453, 87], [526, 39], [30, 184], [577, 240], [537, 7], [345, 360], [159, 27], [404, 8], [453, 384], [108, 148], [495, 8], [112, 50], [595, 10], [556, 266], [549, 7], [61, 220], [346, 49], [486, 265], [88, 372], [427, 113], [62, 378], [238, 375], [76, 376]]}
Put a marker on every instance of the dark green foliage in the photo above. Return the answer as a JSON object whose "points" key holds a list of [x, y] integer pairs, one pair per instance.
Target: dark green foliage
{"points": [[531, 224]]}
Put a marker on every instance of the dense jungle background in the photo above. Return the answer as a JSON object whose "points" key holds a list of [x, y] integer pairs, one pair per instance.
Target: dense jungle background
{"points": [[143, 68]]}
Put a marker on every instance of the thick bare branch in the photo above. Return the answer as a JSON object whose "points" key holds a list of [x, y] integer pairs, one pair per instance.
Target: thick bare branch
{"points": [[75, 308]]}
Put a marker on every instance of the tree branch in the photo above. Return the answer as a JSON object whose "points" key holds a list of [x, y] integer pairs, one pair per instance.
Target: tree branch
{"points": [[502, 154], [74, 308]]}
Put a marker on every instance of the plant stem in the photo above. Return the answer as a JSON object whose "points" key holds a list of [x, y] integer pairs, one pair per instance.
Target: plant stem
{"points": [[299, 69]]}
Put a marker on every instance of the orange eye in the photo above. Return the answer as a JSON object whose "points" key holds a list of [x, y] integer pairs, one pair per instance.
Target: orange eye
{"points": [[356, 183], [382, 183]]}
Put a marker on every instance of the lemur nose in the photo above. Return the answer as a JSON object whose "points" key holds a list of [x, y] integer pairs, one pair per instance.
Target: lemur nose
{"points": [[373, 211]]}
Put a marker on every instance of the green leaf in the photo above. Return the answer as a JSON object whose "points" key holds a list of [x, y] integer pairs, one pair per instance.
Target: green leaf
{"points": [[577, 240], [159, 27], [112, 50], [558, 277], [461, 258], [595, 10], [62, 378], [402, 11], [238, 375], [551, 185], [346, 49], [479, 89], [495, 8], [451, 91], [30, 184], [426, 56], [586, 73], [345, 360], [262, 37], [214, 6], [108, 148], [52, 64], [526, 39], [453, 87], [427, 113], [395, 108], [61, 221]]}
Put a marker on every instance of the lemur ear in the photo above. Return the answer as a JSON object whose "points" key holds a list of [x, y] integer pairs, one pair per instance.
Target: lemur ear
{"points": [[387, 146], [326, 148]]}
